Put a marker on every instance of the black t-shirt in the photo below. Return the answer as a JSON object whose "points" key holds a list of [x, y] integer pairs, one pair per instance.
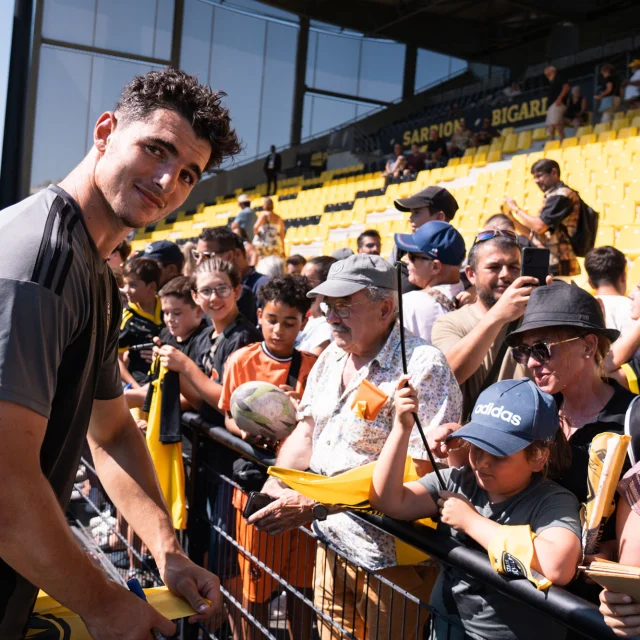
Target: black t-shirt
{"points": [[193, 345], [60, 318], [247, 305], [216, 350], [435, 145], [415, 161], [555, 88], [138, 327], [614, 79]]}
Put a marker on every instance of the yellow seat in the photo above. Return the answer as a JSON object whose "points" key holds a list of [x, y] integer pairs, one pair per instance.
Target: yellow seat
{"points": [[494, 156], [633, 276], [620, 214], [618, 115], [507, 131], [453, 162], [464, 160], [462, 171], [524, 140], [469, 152], [496, 144], [583, 131], [636, 121], [606, 236], [483, 148], [470, 222], [629, 240], [606, 136], [540, 133], [480, 159], [567, 143], [449, 172], [627, 132], [587, 138], [551, 145], [620, 123], [602, 127], [510, 143]]}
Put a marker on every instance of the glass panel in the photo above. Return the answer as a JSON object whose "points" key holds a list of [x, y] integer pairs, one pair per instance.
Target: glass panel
{"points": [[430, 68], [6, 31], [337, 64], [69, 20], [329, 113], [312, 46], [236, 68], [277, 92], [130, 27], [458, 65], [164, 29], [60, 123], [197, 29], [307, 115], [381, 70]]}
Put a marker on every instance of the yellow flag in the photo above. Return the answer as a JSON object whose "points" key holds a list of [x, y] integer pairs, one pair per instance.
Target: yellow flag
{"points": [[51, 621], [350, 489], [606, 458], [167, 460]]}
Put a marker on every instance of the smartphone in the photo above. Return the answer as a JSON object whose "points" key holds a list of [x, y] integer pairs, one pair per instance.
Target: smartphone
{"points": [[535, 263], [256, 502]]}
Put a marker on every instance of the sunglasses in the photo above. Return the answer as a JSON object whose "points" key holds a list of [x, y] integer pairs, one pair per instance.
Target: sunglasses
{"points": [[483, 236], [412, 257], [207, 255], [540, 351]]}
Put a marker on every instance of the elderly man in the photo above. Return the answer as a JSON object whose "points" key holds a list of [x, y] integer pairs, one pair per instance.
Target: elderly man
{"points": [[360, 303]]}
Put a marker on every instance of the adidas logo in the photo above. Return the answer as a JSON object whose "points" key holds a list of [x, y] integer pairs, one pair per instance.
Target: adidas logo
{"points": [[498, 412]]}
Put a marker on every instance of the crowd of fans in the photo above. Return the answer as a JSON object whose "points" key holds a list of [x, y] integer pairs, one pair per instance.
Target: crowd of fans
{"points": [[477, 331]]}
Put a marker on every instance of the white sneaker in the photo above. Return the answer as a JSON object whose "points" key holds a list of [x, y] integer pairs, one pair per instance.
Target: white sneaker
{"points": [[104, 518], [278, 607]]}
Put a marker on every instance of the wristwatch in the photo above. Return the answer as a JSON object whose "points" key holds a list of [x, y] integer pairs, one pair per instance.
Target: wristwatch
{"points": [[320, 512]]}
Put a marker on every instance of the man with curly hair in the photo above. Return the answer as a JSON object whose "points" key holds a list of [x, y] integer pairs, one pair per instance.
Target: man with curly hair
{"points": [[59, 378]]}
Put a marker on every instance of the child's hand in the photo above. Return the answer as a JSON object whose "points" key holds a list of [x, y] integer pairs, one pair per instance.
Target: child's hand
{"points": [[171, 358], [406, 403], [292, 394], [455, 510]]}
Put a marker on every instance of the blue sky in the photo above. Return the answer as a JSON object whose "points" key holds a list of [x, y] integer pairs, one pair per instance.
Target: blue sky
{"points": [[6, 26]]}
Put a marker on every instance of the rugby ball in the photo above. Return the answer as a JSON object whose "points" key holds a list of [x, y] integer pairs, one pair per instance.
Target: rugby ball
{"points": [[260, 408]]}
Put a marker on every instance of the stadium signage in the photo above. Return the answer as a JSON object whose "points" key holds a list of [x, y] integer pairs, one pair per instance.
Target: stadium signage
{"points": [[528, 110]]}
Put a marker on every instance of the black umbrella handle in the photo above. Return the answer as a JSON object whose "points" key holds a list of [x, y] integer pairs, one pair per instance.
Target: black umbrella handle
{"points": [[404, 369]]}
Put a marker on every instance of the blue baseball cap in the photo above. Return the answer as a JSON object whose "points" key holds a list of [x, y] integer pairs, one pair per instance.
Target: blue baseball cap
{"points": [[508, 416], [436, 239], [164, 251]]}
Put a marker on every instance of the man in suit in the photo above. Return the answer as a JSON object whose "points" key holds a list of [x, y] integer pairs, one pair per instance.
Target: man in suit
{"points": [[272, 164]]}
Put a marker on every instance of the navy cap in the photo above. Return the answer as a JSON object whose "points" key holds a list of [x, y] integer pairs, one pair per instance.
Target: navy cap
{"points": [[508, 416], [438, 198], [436, 239], [164, 251]]}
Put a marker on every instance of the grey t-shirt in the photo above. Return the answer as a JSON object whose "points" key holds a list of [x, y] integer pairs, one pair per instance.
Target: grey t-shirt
{"points": [[59, 325], [484, 612], [246, 218]]}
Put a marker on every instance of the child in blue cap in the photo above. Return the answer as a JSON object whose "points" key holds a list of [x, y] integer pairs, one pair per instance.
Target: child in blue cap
{"points": [[500, 502]]}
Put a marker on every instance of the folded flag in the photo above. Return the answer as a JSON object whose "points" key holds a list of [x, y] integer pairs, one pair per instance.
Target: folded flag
{"points": [[350, 490], [368, 401]]}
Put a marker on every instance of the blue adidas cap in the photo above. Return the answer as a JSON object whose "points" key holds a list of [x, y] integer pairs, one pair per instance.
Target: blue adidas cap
{"points": [[509, 416], [436, 239]]}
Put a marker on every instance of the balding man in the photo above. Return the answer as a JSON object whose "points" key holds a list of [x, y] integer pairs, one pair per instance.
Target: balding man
{"points": [[360, 303]]}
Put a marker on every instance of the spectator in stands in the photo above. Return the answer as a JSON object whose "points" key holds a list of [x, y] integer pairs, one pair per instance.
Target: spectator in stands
{"points": [[246, 217], [268, 231], [272, 166], [222, 243], [369, 241], [461, 140], [473, 337], [217, 290], [563, 341], [270, 267], [576, 113], [169, 258], [486, 133], [556, 101], [500, 487], [59, 378], [503, 222], [432, 203], [632, 86], [620, 611], [414, 161], [360, 302], [610, 97], [189, 267], [607, 271], [119, 256], [437, 154], [557, 220], [141, 318], [512, 91], [435, 251], [316, 335], [273, 360], [295, 263], [396, 164]]}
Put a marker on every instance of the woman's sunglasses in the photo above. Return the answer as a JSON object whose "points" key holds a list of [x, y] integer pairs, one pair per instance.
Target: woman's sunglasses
{"points": [[483, 236], [540, 351]]}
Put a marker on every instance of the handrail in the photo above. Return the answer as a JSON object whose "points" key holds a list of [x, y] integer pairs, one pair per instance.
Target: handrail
{"points": [[557, 603]]}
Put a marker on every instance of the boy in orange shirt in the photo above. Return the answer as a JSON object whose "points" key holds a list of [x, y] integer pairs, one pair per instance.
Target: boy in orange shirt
{"points": [[275, 360]]}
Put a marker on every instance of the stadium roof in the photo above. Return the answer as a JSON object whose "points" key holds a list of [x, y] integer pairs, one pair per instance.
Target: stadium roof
{"points": [[481, 30]]}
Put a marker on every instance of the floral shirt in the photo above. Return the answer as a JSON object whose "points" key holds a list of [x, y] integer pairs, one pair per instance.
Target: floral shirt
{"points": [[343, 441]]}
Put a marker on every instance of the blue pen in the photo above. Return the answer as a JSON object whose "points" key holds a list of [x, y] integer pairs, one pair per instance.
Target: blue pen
{"points": [[136, 589]]}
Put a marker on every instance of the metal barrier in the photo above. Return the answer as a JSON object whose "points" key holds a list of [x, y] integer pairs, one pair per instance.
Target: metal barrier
{"points": [[244, 559]]}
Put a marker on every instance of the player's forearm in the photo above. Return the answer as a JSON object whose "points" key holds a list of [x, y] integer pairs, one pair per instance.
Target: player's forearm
{"points": [[467, 355], [35, 540], [127, 474], [200, 387]]}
